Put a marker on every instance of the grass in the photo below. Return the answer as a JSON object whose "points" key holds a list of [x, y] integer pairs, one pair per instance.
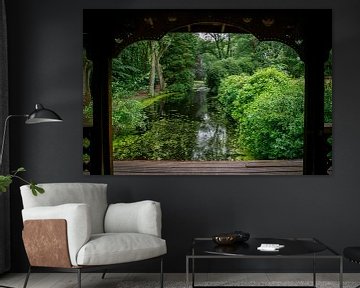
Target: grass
{"points": [[151, 100]]}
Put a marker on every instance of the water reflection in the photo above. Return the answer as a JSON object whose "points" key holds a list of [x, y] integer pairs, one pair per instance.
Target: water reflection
{"points": [[212, 137]]}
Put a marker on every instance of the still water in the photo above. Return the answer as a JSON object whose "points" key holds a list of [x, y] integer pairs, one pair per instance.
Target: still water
{"points": [[212, 139]]}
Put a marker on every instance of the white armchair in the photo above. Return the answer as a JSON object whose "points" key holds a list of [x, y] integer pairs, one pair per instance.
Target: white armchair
{"points": [[71, 227]]}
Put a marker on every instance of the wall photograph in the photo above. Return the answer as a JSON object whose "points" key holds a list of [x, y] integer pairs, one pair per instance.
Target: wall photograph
{"points": [[206, 93]]}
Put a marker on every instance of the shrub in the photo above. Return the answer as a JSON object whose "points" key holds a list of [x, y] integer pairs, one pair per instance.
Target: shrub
{"points": [[127, 116], [220, 69], [229, 89], [272, 125], [127, 147], [167, 139], [263, 80]]}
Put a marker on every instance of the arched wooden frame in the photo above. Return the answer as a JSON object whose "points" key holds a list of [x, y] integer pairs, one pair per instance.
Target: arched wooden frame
{"points": [[308, 32]]}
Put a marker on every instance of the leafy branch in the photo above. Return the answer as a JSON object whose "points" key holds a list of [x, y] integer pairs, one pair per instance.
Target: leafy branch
{"points": [[6, 180]]}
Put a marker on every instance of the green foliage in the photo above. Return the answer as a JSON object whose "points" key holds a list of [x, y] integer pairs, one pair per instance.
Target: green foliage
{"points": [[256, 87], [179, 61], [36, 189], [247, 54], [328, 101], [167, 139], [130, 69], [263, 80], [328, 65], [268, 109], [88, 114], [151, 100], [280, 56], [229, 90], [214, 74], [127, 116], [220, 69], [6, 180], [127, 147], [272, 125]]}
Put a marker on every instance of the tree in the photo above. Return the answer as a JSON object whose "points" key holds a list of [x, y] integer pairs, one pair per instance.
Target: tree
{"points": [[218, 44], [157, 49], [179, 61], [130, 69], [153, 53]]}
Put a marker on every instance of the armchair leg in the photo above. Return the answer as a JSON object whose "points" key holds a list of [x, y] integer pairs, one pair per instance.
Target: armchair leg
{"points": [[27, 277], [103, 275], [161, 273], [79, 277]]}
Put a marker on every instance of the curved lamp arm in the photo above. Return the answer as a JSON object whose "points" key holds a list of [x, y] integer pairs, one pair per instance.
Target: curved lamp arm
{"points": [[4, 134], [39, 115]]}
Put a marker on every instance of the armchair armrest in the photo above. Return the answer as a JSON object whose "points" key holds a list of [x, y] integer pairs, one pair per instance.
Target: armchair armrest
{"points": [[77, 219], [138, 217]]}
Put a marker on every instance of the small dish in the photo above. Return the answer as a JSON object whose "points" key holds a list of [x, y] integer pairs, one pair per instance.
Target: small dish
{"points": [[225, 239]]}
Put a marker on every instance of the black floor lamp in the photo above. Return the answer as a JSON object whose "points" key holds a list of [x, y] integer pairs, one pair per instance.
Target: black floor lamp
{"points": [[39, 115]]}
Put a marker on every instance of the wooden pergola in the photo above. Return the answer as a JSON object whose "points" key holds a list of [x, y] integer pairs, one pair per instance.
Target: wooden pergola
{"points": [[309, 32]]}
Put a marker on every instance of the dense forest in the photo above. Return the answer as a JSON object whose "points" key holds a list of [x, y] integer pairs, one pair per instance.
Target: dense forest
{"points": [[208, 96]]}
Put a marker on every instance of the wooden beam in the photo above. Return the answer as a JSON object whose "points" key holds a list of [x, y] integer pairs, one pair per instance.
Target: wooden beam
{"points": [[316, 52], [101, 141]]}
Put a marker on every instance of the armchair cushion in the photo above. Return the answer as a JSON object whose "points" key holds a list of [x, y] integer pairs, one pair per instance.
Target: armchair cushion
{"points": [[93, 194], [78, 221], [113, 248], [138, 217]]}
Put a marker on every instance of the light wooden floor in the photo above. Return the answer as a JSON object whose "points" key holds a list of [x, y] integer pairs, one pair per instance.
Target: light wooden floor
{"points": [[114, 280]]}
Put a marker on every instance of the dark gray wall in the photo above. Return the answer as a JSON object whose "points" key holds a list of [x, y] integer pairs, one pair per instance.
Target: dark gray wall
{"points": [[45, 46]]}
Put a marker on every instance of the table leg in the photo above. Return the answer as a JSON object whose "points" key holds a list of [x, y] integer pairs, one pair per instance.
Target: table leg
{"points": [[341, 273], [193, 272], [187, 272], [314, 271]]}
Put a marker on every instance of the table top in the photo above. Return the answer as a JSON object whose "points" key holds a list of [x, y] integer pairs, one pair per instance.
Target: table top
{"points": [[292, 247]]}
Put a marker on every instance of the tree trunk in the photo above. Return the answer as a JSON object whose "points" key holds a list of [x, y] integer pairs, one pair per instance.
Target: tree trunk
{"points": [[153, 68], [160, 74], [87, 67], [228, 50]]}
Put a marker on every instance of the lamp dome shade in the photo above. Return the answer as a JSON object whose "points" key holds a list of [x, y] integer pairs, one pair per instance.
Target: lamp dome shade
{"points": [[42, 115]]}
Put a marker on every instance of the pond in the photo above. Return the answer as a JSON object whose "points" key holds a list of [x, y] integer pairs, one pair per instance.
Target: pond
{"points": [[195, 126]]}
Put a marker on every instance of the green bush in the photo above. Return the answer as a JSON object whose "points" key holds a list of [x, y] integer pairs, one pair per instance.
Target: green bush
{"points": [[167, 139], [272, 125], [268, 110], [127, 116], [213, 77], [229, 89], [328, 102], [263, 80], [220, 69], [127, 147]]}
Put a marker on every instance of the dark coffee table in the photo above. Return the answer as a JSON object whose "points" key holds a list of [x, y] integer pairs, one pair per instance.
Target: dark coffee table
{"points": [[294, 248]]}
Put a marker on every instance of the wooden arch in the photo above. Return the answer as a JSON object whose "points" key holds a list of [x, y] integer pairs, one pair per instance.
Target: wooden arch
{"points": [[308, 32]]}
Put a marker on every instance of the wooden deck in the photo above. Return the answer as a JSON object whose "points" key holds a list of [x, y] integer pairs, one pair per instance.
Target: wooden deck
{"points": [[257, 167]]}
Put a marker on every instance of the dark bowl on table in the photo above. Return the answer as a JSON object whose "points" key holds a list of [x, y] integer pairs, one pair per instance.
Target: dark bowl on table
{"points": [[225, 239], [231, 238]]}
